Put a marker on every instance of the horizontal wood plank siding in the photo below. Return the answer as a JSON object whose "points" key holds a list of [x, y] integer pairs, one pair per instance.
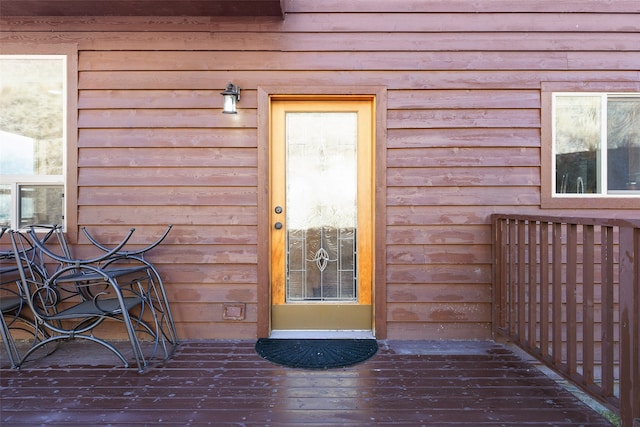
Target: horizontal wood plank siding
{"points": [[463, 135], [394, 80], [399, 40]]}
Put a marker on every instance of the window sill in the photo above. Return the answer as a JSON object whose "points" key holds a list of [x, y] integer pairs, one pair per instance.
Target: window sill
{"points": [[591, 202]]}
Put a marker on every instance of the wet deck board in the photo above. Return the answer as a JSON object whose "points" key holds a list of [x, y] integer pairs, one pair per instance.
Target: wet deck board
{"points": [[223, 383]]}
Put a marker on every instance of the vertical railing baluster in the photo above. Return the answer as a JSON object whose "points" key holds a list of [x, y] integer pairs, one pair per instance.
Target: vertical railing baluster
{"points": [[544, 288], [533, 285], [587, 302], [570, 295], [500, 259], [522, 319], [607, 318], [513, 248], [557, 294]]}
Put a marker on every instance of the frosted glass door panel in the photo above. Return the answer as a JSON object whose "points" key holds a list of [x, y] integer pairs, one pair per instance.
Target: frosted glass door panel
{"points": [[321, 199]]}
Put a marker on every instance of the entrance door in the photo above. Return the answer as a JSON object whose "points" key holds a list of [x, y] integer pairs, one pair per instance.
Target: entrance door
{"points": [[321, 201]]}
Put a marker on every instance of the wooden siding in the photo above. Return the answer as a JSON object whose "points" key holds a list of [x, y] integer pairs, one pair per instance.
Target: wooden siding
{"points": [[463, 135], [142, 7]]}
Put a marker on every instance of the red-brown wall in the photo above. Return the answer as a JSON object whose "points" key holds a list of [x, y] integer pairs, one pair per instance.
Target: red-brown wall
{"points": [[463, 135]]}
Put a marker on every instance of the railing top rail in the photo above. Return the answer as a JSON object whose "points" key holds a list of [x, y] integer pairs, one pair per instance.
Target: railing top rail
{"points": [[607, 222]]}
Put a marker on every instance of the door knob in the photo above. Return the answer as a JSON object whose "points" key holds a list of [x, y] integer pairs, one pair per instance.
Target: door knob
{"points": [[278, 209], [278, 225]]}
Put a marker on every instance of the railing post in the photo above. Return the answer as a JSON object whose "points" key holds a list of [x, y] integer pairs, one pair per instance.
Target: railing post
{"points": [[629, 326], [499, 274]]}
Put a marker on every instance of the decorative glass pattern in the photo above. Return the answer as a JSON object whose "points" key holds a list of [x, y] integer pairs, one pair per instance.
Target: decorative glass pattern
{"points": [[321, 188]]}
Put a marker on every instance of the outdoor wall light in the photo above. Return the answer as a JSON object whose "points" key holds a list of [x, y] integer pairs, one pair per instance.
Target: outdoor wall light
{"points": [[231, 97]]}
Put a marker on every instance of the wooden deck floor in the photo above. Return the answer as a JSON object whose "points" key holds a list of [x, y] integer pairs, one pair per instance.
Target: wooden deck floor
{"points": [[224, 383]]}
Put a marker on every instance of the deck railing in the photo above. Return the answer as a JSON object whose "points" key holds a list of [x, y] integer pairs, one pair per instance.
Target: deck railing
{"points": [[567, 291]]}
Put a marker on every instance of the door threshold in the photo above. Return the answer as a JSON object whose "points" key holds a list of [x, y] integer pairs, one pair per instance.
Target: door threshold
{"points": [[321, 334]]}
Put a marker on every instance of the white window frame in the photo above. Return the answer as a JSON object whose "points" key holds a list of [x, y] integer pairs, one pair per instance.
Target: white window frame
{"points": [[602, 164], [68, 178], [616, 199]]}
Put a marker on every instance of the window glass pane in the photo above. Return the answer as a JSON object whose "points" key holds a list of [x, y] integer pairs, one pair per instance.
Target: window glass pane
{"points": [[32, 133], [40, 204], [623, 143], [577, 138], [322, 205], [5, 205], [31, 115]]}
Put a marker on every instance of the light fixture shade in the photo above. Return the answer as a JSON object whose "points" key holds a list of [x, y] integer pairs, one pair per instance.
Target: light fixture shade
{"points": [[231, 96]]}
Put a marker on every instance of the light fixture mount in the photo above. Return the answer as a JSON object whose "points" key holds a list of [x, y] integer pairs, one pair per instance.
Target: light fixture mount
{"points": [[231, 96]]}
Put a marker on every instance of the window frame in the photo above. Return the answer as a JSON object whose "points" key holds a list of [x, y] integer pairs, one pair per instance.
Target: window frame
{"points": [[70, 160], [549, 198]]}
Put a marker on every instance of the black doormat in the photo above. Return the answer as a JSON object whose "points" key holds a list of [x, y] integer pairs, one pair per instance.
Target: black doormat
{"points": [[316, 353]]}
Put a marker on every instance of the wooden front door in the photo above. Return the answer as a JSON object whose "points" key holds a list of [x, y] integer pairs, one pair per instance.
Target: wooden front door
{"points": [[321, 211]]}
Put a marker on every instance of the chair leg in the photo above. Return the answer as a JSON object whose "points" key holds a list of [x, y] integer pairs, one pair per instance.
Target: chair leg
{"points": [[135, 343], [163, 301], [29, 327], [12, 350], [155, 317]]}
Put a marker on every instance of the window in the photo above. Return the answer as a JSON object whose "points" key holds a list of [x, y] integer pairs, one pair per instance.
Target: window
{"points": [[589, 145], [33, 128], [595, 144]]}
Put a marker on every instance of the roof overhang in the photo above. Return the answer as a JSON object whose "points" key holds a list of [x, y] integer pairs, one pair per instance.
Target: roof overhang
{"points": [[142, 8]]}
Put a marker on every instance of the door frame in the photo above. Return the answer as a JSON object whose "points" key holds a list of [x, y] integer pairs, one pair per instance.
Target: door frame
{"points": [[379, 96], [333, 315]]}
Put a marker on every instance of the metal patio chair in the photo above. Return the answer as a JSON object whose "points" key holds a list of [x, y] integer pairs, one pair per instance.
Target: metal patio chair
{"points": [[79, 295], [15, 318], [160, 301]]}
